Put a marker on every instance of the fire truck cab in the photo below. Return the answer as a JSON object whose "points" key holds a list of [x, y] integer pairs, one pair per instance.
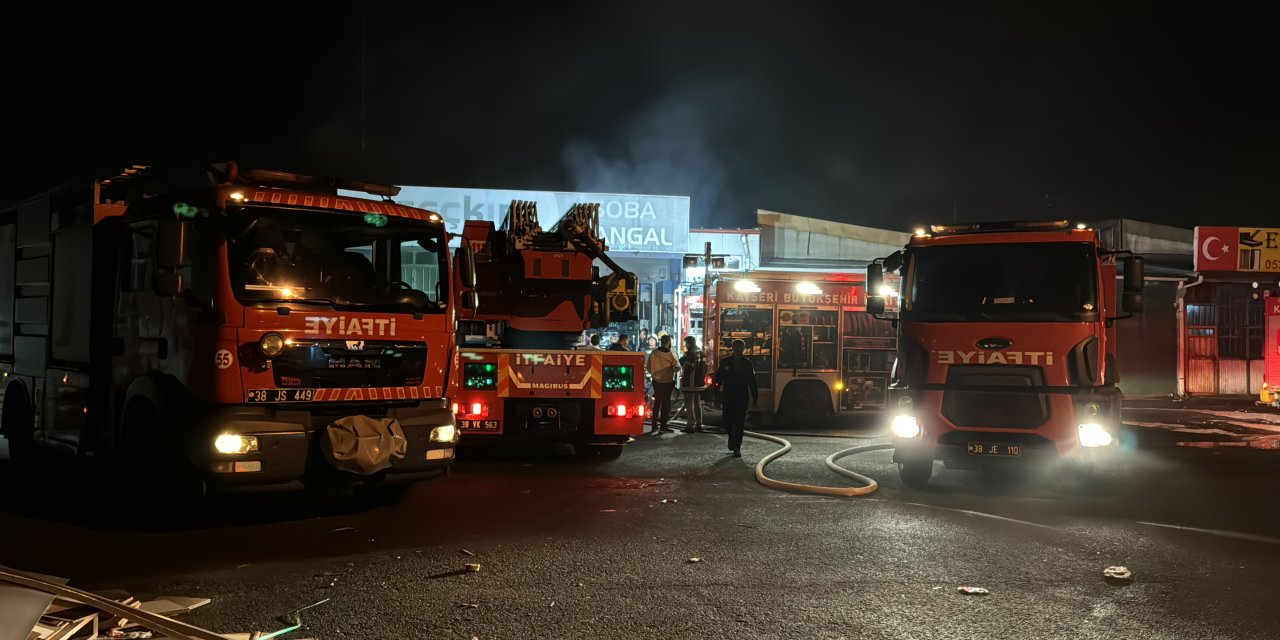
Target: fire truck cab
{"points": [[256, 330], [1006, 351]]}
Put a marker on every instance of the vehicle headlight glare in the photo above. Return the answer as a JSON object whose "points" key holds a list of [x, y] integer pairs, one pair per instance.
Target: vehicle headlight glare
{"points": [[1093, 435], [905, 426], [272, 345], [447, 433], [233, 443]]}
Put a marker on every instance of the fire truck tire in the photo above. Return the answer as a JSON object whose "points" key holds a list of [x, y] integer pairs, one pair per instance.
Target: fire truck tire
{"points": [[152, 458], [916, 473], [598, 451], [18, 423], [805, 399]]}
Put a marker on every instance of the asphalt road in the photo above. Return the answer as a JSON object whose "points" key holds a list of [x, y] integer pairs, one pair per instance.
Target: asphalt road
{"points": [[603, 550]]}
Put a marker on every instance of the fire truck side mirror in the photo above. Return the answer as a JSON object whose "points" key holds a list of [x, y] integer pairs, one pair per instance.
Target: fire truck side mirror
{"points": [[470, 300], [1134, 274], [875, 279], [467, 266], [172, 237], [1131, 302], [171, 244]]}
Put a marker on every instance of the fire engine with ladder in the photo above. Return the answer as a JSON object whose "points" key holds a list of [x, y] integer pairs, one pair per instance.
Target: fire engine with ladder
{"points": [[535, 293]]}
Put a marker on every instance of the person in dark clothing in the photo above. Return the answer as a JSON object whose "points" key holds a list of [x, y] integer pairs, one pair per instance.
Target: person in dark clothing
{"points": [[693, 373], [737, 380], [621, 344]]}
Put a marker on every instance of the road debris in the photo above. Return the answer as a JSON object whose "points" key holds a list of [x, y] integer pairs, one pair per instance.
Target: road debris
{"points": [[1117, 573], [467, 553], [130, 635], [973, 591], [66, 612], [473, 567], [693, 560], [468, 605], [341, 529]]}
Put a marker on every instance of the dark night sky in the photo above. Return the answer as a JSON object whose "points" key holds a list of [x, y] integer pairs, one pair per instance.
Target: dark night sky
{"points": [[885, 114]]}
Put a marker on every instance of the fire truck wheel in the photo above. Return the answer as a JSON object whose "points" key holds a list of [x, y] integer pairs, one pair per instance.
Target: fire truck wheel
{"points": [[18, 422], [915, 473], [598, 451], [152, 457], [805, 399]]}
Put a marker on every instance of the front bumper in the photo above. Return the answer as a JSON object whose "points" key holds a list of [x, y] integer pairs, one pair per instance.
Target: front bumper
{"points": [[289, 442], [954, 449]]}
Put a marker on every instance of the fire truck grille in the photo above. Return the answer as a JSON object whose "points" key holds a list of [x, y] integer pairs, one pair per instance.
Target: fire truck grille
{"points": [[336, 363], [971, 406]]}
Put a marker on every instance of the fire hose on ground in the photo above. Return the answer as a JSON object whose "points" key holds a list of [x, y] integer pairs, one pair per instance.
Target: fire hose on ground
{"points": [[830, 462]]}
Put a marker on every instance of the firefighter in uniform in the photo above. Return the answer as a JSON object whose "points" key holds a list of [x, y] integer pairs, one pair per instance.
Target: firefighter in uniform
{"points": [[737, 380]]}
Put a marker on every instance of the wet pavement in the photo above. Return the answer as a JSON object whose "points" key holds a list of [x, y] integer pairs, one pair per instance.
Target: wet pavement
{"points": [[575, 550]]}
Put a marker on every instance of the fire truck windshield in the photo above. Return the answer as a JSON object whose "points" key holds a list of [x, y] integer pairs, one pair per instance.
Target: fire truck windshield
{"points": [[1033, 282], [345, 260]]}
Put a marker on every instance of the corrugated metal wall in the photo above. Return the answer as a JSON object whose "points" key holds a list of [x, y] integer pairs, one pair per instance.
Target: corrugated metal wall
{"points": [[1233, 377]]}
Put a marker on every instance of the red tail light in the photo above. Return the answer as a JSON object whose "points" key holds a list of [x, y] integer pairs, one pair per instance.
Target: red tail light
{"points": [[640, 411], [455, 408], [620, 410], [476, 408], [709, 380]]}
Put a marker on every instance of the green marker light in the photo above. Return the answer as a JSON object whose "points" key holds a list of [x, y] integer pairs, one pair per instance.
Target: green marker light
{"points": [[184, 210], [375, 219]]}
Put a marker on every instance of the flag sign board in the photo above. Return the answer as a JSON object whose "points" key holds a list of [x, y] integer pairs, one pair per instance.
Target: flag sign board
{"points": [[1240, 249]]}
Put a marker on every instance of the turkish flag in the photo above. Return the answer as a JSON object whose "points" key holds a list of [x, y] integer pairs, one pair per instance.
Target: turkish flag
{"points": [[1217, 249]]}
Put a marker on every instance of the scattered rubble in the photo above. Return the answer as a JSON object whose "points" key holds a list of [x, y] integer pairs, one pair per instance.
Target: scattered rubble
{"points": [[473, 567], [41, 607], [974, 591], [1117, 574]]}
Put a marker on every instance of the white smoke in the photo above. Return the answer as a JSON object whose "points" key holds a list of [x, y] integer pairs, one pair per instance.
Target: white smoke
{"points": [[666, 152]]}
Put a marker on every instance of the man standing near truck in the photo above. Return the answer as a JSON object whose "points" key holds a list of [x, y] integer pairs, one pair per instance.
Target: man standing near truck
{"points": [[662, 367], [737, 380]]}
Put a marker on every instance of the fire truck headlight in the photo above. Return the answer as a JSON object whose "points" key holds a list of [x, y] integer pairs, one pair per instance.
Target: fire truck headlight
{"points": [[1093, 435], [446, 433], [234, 443], [905, 426], [272, 344]]}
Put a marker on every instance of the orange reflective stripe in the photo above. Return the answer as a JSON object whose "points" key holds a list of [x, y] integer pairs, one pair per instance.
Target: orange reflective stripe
{"points": [[504, 375]]}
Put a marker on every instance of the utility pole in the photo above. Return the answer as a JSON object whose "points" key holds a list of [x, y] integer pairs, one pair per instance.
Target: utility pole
{"points": [[706, 290]]}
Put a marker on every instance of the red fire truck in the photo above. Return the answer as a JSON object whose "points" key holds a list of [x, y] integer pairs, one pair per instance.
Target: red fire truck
{"points": [[815, 349], [1006, 351], [256, 330], [535, 293], [1271, 358]]}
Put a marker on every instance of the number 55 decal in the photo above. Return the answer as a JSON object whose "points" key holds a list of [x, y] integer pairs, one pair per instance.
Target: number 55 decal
{"points": [[222, 359]]}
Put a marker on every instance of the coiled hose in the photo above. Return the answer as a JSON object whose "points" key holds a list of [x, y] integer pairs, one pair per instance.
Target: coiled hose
{"points": [[847, 492]]}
